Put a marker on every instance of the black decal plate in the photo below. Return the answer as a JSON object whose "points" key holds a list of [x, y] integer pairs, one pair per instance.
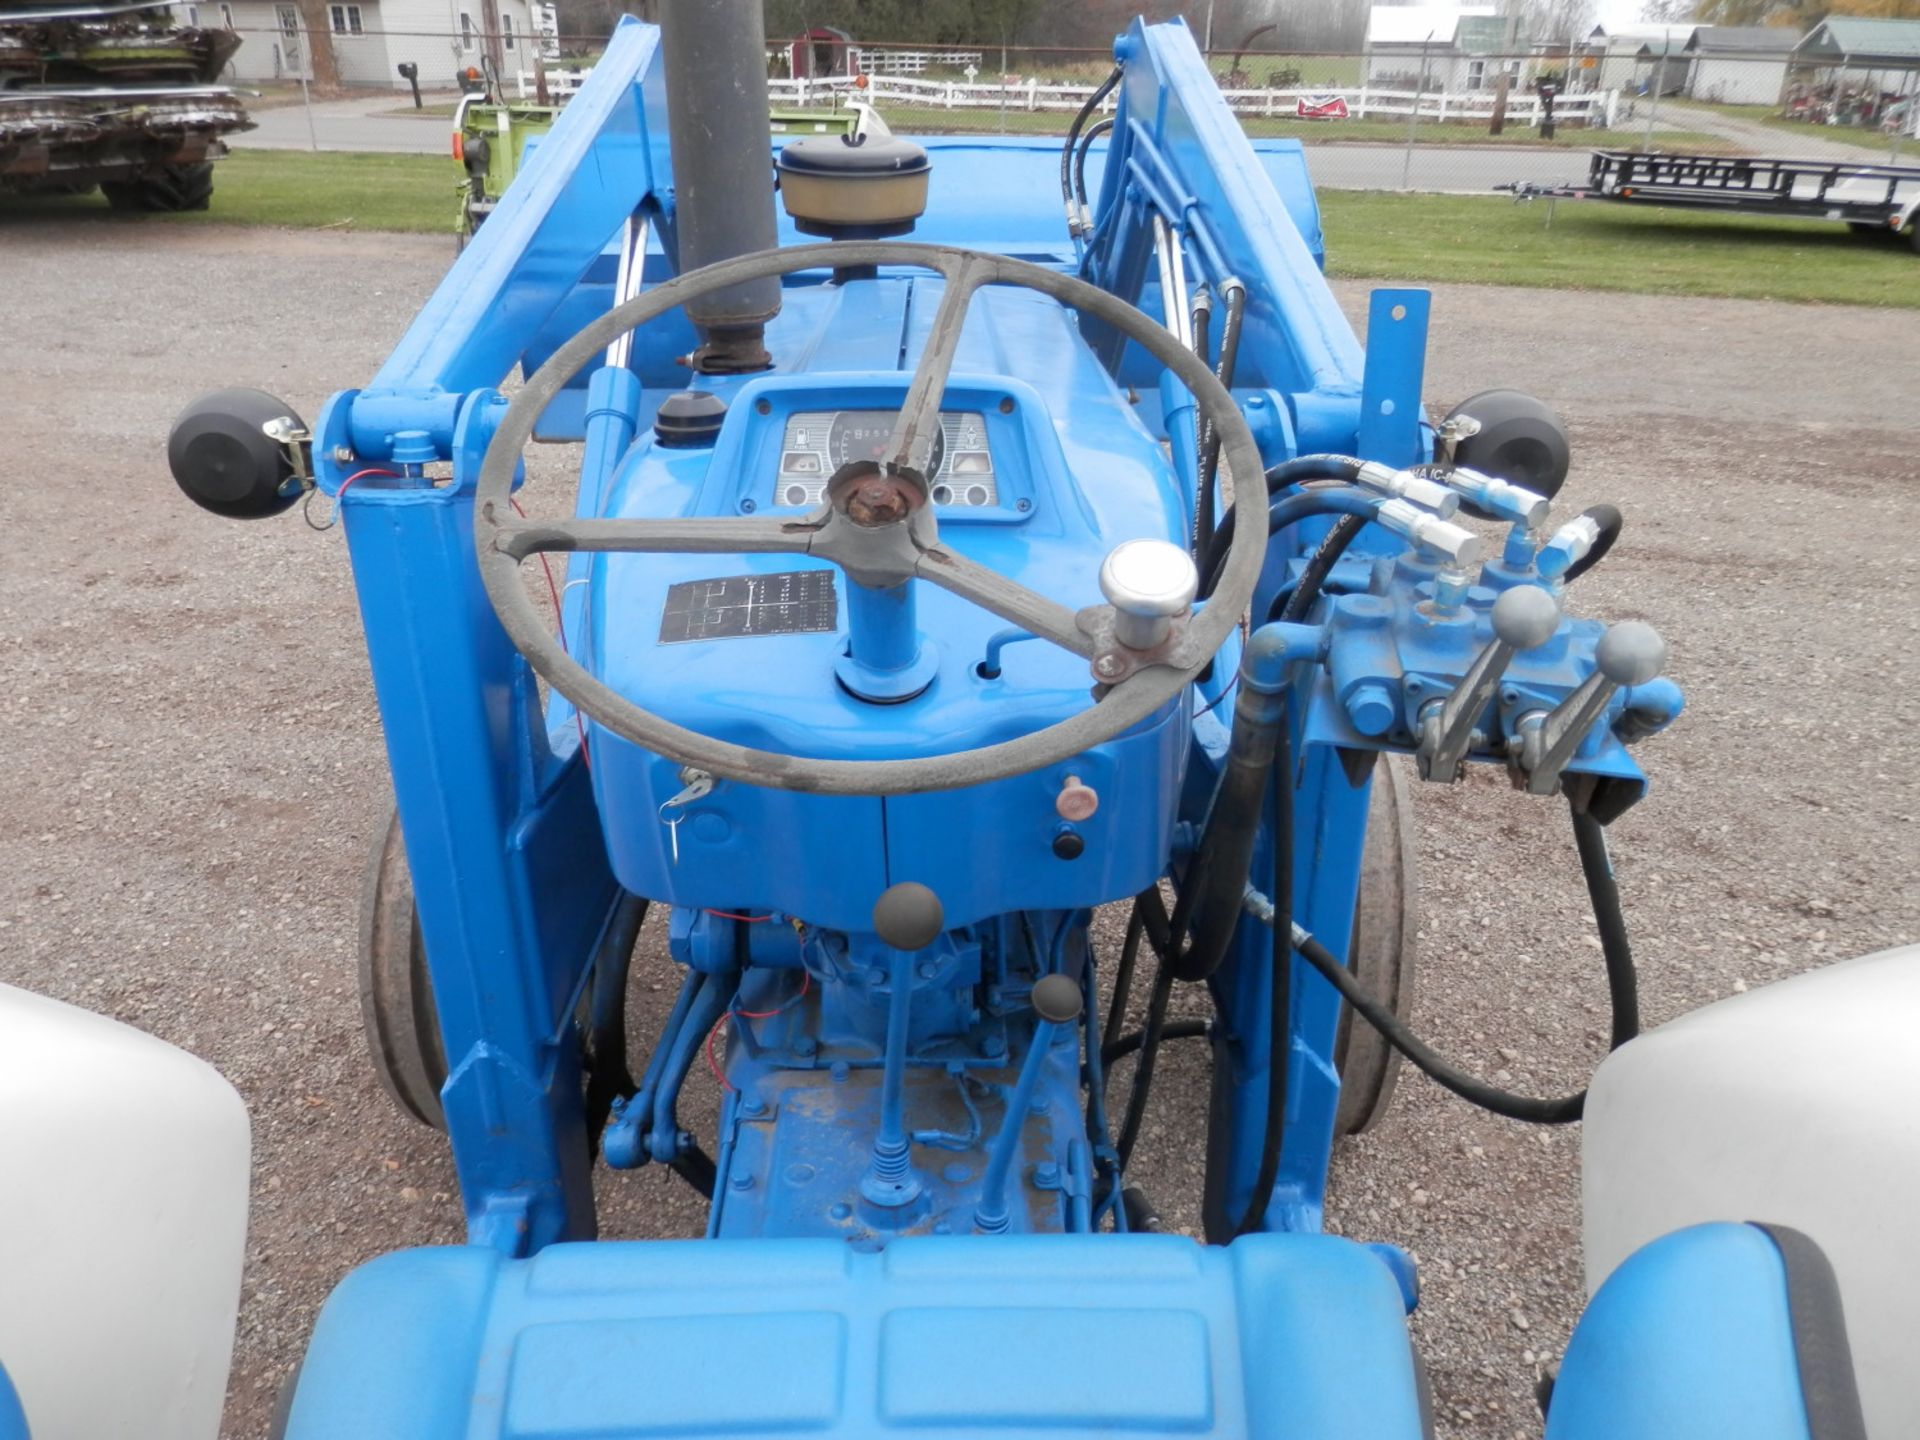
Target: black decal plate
{"points": [[798, 602]]}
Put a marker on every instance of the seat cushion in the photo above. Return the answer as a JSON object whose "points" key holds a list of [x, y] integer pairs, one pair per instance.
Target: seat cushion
{"points": [[1275, 1336], [1716, 1330]]}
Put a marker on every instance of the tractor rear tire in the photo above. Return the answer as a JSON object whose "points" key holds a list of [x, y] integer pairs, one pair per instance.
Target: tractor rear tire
{"points": [[1385, 922], [170, 190], [396, 996]]}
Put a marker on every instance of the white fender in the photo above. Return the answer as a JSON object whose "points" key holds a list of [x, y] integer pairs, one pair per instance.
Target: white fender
{"points": [[1797, 1104], [123, 1222]]}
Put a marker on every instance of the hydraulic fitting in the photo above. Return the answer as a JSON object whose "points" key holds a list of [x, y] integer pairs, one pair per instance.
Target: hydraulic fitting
{"points": [[1455, 544], [1568, 545], [1405, 485], [1500, 499]]}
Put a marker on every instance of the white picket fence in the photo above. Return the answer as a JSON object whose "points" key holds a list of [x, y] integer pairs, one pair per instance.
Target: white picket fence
{"points": [[1596, 109], [915, 62]]}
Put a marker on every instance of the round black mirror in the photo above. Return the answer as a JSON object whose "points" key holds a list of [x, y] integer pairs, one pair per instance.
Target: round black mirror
{"points": [[222, 456]]}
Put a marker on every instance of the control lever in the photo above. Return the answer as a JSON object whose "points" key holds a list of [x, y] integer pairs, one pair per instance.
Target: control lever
{"points": [[1057, 1004], [1630, 653], [1524, 618]]}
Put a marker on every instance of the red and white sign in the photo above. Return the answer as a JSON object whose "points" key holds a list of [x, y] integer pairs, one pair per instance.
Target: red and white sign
{"points": [[1320, 107]]}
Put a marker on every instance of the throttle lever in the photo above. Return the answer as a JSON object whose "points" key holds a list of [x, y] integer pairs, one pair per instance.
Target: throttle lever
{"points": [[1630, 653], [1524, 618]]}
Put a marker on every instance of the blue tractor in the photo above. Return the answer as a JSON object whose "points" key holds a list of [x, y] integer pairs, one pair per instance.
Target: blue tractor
{"points": [[917, 597]]}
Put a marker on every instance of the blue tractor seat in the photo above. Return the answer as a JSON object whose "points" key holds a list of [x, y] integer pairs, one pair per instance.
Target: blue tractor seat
{"points": [[1275, 1337], [1716, 1332]]}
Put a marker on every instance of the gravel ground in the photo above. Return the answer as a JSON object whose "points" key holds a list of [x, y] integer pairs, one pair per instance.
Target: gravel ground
{"points": [[195, 771]]}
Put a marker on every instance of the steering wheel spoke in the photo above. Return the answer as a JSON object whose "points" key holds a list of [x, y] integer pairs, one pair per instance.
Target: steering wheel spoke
{"points": [[911, 445], [694, 535], [1010, 600]]}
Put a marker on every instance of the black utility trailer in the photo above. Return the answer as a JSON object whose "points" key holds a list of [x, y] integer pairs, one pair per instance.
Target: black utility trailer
{"points": [[1867, 197]]}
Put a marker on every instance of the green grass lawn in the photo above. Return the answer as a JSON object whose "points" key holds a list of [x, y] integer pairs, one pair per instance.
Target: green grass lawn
{"points": [[1591, 245], [302, 191], [1606, 245]]}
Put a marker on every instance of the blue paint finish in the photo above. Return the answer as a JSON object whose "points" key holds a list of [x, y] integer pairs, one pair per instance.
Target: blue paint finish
{"points": [[1274, 1338], [1692, 1335], [1390, 418], [1176, 140], [508, 869], [844, 1268], [13, 1419]]}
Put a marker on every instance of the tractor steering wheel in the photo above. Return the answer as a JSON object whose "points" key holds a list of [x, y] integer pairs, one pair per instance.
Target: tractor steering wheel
{"points": [[877, 526]]}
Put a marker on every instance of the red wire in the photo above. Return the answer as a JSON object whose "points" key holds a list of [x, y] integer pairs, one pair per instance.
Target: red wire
{"points": [[371, 470], [560, 624], [806, 980], [743, 919]]}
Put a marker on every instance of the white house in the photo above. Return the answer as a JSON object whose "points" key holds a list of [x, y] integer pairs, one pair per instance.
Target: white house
{"points": [[1443, 38], [1622, 52], [1739, 64], [371, 39]]}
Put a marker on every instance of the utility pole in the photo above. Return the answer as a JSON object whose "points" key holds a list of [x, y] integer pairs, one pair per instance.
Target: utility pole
{"points": [[1509, 42]]}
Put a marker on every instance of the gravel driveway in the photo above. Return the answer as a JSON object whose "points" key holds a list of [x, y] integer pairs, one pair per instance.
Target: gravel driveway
{"points": [[194, 770]]}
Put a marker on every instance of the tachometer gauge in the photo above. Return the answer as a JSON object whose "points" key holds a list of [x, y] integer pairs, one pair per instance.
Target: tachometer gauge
{"points": [[863, 435]]}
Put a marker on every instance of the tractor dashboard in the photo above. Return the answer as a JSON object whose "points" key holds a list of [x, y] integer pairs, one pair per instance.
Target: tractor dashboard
{"points": [[1040, 469]]}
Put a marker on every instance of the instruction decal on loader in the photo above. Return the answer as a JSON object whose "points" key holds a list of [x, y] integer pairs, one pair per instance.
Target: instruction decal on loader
{"points": [[797, 602]]}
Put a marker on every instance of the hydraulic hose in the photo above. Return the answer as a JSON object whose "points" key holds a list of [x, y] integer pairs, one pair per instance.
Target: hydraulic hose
{"points": [[1235, 295], [1320, 565], [1123, 974], [1304, 470], [1610, 521], [1104, 89], [1142, 1085], [1217, 878], [1093, 132], [1623, 985], [1621, 993], [1280, 998], [1125, 1045], [1288, 510]]}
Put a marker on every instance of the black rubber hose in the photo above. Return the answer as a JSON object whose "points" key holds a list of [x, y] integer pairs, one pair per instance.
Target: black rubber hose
{"points": [[1610, 521], [1280, 1006], [1561, 1111], [608, 1077], [1123, 974], [1622, 995], [1104, 89], [1217, 878], [696, 1167], [1320, 565], [1235, 295], [1125, 1045], [1623, 984], [1143, 1067], [1288, 472], [1094, 132]]}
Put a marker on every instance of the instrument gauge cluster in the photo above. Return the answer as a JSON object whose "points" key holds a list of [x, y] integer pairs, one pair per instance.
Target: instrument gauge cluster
{"points": [[819, 442]]}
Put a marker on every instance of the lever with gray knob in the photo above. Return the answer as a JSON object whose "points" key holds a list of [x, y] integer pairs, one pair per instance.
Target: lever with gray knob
{"points": [[1149, 583], [1630, 653], [1524, 618]]}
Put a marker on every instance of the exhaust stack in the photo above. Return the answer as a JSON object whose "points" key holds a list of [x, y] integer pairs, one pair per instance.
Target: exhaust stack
{"points": [[722, 137]]}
